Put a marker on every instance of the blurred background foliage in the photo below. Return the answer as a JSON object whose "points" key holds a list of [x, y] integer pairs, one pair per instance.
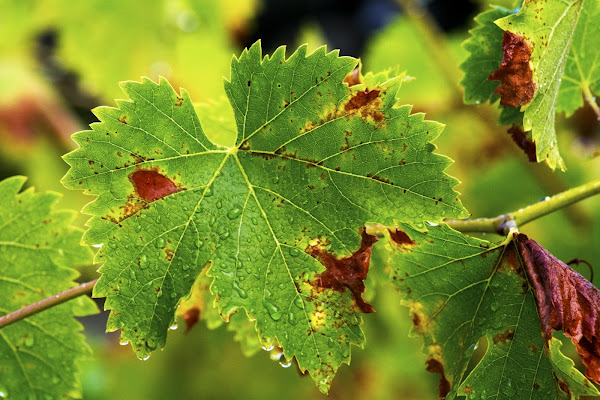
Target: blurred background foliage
{"points": [[59, 59]]}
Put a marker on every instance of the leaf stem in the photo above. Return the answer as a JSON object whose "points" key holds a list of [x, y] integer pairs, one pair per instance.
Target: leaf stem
{"points": [[589, 97], [502, 223], [46, 303]]}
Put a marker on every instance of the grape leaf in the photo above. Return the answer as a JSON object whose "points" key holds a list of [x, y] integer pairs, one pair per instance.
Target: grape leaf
{"points": [[582, 72], [548, 28], [313, 161], [460, 289], [485, 54], [39, 355]]}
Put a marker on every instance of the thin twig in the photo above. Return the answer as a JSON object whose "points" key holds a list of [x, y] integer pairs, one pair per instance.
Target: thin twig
{"points": [[529, 213], [46, 303]]}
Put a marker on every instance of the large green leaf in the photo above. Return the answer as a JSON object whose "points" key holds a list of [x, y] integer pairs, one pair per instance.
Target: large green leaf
{"points": [[313, 161], [582, 72], [460, 289], [549, 28], [39, 355]]}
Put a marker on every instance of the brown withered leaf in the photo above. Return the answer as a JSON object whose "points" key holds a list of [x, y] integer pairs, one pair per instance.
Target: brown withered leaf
{"points": [[515, 74], [566, 301]]}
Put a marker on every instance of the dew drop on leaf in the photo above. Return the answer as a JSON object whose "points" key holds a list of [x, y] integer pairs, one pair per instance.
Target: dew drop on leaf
{"points": [[143, 261], [219, 204], [174, 326], [132, 274], [292, 318], [160, 242], [294, 252], [298, 302], [241, 292], [233, 214], [29, 341], [124, 343], [285, 363], [254, 220], [273, 310]]}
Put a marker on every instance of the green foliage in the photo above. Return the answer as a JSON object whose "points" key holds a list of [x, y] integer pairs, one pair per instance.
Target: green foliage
{"points": [[460, 289], [305, 143], [39, 355], [485, 54], [582, 72]]}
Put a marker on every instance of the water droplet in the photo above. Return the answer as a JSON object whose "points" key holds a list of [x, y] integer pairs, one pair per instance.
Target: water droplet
{"points": [[224, 235], [294, 252], [112, 245], [208, 192], [185, 267], [292, 318], [494, 306], [124, 343], [273, 310], [143, 260], [144, 358], [173, 295], [298, 302], [275, 179], [3, 393], [241, 292], [291, 220], [276, 355], [254, 220], [233, 214], [212, 220], [160, 242], [285, 363], [268, 348], [173, 327], [132, 274], [219, 204], [29, 341], [138, 228]]}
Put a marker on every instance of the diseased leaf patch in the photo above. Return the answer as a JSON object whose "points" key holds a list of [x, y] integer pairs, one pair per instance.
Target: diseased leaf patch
{"points": [[347, 273], [460, 289], [150, 185], [515, 74], [279, 216], [523, 140]]}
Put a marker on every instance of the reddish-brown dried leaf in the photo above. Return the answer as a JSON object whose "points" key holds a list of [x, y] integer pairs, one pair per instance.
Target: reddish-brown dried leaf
{"points": [[515, 75], [520, 138], [347, 273], [353, 78], [566, 301]]}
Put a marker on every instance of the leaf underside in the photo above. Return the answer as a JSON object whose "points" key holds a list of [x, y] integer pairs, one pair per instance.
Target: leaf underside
{"points": [[39, 355], [460, 289], [314, 160]]}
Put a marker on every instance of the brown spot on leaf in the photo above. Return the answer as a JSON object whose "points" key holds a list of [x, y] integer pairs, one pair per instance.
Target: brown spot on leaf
{"points": [[346, 273], [566, 301], [366, 103], [179, 101], [515, 75], [401, 239], [151, 185], [435, 365], [123, 119], [191, 318], [526, 144], [169, 254], [509, 334]]}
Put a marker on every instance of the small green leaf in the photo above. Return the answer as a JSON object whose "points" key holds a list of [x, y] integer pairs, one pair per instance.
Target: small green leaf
{"points": [[460, 289], [314, 160], [549, 28], [39, 355]]}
